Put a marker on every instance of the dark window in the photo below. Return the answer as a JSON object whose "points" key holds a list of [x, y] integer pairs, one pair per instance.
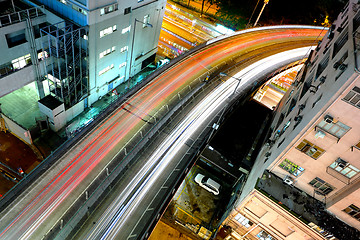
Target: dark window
{"points": [[321, 186], [353, 97], [127, 10], [340, 43], [322, 65], [353, 211], [16, 38]]}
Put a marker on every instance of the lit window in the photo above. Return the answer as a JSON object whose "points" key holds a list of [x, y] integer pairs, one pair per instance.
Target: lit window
{"points": [[146, 20], [21, 62], [321, 186], [353, 211], [123, 49], [106, 69], [344, 168], [243, 220], [353, 97], [291, 167], [109, 9], [310, 149], [337, 129], [125, 30], [107, 52], [122, 65], [107, 31]]}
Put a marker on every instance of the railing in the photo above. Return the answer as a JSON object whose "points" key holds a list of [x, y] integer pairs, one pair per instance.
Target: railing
{"points": [[21, 16]]}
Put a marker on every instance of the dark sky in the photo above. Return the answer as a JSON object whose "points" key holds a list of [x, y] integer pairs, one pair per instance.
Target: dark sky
{"points": [[287, 11]]}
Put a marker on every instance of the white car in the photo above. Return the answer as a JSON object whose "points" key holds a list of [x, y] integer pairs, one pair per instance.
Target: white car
{"points": [[207, 183]]}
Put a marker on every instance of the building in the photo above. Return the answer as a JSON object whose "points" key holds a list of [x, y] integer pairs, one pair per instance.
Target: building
{"points": [[314, 144], [258, 217], [76, 50]]}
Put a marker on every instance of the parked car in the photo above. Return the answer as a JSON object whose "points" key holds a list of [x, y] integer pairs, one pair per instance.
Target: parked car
{"points": [[207, 183]]}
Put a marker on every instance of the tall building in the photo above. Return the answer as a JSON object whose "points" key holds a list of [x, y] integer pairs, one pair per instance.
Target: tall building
{"points": [[79, 50], [314, 144]]}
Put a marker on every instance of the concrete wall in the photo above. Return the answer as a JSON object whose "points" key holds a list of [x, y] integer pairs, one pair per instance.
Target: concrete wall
{"points": [[16, 80], [74, 110], [17, 130]]}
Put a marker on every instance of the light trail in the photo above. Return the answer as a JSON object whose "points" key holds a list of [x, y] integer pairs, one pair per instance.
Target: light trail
{"points": [[36, 211], [110, 226]]}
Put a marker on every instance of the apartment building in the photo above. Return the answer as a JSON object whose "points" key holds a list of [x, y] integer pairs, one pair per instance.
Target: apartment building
{"points": [[85, 48], [315, 136], [258, 217]]}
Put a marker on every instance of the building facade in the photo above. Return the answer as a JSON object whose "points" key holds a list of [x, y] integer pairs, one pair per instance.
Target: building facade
{"points": [[258, 217], [85, 48], [315, 136]]}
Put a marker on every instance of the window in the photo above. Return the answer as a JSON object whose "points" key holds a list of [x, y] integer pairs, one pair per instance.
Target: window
{"points": [[109, 9], [21, 62], [243, 220], [122, 65], [353, 97], [321, 186], [16, 38], [310, 149], [125, 30], [107, 52], [127, 10], [264, 236], [353, 211], [107, 31], [124, 49], [80, 10], [106, 69], [344, 168], [340, 43], [146, 20], [322, 65], [337, 129], [291, 167]]}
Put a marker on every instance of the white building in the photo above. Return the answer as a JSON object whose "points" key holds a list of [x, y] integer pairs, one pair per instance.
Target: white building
{"points": [[89, 47], [314, 144]]}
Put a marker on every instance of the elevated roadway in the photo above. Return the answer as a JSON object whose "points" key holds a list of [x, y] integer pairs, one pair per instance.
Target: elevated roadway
{"points": [[47, 205]]}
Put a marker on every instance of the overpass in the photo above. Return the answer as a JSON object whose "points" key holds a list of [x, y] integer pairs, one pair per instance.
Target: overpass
{"points": [[71, 189]]}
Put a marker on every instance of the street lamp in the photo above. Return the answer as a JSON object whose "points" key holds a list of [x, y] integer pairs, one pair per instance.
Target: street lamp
{"points": [[239, 80], [132, 47], [262, 9]]}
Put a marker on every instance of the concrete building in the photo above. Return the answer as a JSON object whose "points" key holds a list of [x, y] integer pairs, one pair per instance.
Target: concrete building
{"points": [[314, 144], [79, 50], [258, 217]]}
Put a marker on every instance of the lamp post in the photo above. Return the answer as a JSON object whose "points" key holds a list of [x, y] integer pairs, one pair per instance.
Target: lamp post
{"points": [[239, 80], [132, 47], [262, 9]]}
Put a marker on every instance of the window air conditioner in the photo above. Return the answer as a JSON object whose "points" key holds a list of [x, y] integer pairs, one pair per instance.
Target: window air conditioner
{"points": [[288, 180], [328, 119], [342, 67], [336, 65]]}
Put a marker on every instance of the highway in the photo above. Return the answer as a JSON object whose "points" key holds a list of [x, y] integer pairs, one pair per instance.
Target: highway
{"points": [[38, 210]]}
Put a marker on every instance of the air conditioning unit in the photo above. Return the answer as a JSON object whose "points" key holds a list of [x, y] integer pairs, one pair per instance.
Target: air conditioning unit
{"points": [[336, 65], [328, 119], [342, 67], [288, 180]]}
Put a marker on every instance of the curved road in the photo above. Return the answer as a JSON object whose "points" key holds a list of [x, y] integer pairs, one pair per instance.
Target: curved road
{"points": [[37, 210]]}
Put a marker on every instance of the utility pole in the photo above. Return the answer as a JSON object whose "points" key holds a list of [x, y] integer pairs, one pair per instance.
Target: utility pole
{"points": [[262, 9]]}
